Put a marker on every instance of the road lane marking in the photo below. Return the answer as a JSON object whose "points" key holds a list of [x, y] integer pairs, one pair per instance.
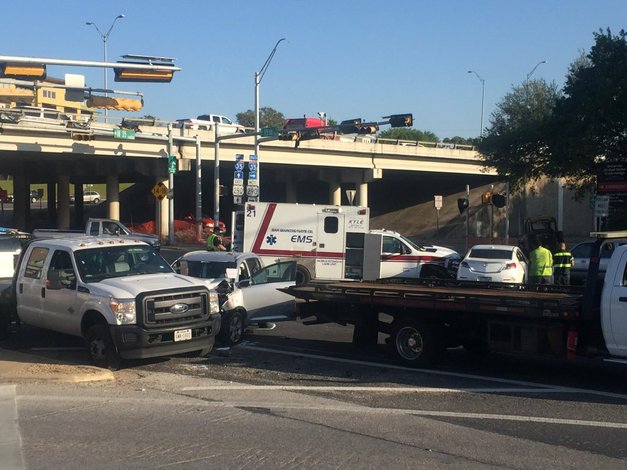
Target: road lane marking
{"points": [[10, 440], [348, 388], [250, 346]]}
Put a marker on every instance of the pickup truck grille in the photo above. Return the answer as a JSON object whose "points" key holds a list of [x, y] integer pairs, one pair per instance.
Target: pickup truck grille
{"points": [[173, 309]]}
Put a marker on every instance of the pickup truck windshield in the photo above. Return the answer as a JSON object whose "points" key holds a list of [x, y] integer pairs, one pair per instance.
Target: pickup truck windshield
{"points": [[96, 264], [204, 270]]}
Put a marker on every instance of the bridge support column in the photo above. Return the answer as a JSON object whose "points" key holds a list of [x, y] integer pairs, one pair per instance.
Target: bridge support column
{"points": [[113, 197], [63, 202], [51, 204], [161, 216], [21, 200], [290, 190], [335, 190], [362, 194]]}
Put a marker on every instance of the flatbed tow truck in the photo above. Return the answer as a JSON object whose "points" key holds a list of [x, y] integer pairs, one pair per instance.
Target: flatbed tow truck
{"points": [[422, 317]]}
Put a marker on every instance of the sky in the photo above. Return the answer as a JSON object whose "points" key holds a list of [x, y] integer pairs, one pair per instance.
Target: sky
{"points": [[350, 59]]}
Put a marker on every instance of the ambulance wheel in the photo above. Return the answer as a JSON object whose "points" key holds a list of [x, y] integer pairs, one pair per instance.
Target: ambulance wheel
{"points": [[414, 343], [303, 276]]}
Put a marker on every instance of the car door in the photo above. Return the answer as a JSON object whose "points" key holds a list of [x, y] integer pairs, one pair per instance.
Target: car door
{"points": [[260, 296], [30, 288], [617, 309], [396, 259], [61, 306]]}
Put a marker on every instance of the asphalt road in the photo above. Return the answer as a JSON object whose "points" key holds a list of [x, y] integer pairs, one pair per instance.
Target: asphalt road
{"points": [[303, 396]]}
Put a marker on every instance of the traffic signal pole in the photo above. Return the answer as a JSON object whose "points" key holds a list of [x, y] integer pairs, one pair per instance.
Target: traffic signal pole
{"points": [[467, 216]]}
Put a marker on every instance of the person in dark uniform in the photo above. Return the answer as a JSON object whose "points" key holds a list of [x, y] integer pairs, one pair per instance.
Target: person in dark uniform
{"points": [[562, 262]]}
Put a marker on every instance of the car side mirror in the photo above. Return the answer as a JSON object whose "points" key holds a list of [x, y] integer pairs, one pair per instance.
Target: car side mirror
{"points": [[231, 273], [243, 283]]}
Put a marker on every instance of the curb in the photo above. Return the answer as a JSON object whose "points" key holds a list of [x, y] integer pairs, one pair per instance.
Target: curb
{"points": [[17, 367]]}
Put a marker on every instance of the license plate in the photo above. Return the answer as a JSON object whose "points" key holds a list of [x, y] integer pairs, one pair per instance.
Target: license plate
{"points": [[183, 335], [484, 279]]}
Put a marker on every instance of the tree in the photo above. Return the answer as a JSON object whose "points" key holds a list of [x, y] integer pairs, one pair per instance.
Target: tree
{"points": [[590, 121], [268, 117], [515, 142], [460, 140], [403, 133], [537, 131]]}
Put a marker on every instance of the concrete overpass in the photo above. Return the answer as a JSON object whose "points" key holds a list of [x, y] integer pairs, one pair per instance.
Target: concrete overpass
{"points": [[47, 152]]}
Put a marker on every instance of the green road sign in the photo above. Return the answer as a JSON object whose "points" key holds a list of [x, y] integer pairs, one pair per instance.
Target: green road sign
{"points": [[269, 132], [126, 134], [172, 166]]}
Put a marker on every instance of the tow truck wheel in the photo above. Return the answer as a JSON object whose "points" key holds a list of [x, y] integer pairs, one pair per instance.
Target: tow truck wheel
{"points": [[101, 348], [232, 329], [303, 276], [414, 344]]}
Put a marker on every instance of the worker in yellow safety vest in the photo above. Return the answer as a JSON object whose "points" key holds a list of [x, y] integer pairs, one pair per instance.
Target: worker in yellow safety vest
{"points": [[540, 265], [562, 262], [214, 242]]}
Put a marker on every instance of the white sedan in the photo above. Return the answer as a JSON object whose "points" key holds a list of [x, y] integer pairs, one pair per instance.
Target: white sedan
{"points": [[248, 291], [494, 263]]}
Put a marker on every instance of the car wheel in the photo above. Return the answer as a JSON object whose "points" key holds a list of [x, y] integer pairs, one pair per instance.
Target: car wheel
{"points": [[96, 200], [101, 348], [414, 343], [232, 329]]}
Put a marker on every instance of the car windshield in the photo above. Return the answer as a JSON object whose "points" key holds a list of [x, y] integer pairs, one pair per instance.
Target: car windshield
{"points": [[10, 244], [484, 253], [96, 264], [206, 270]]}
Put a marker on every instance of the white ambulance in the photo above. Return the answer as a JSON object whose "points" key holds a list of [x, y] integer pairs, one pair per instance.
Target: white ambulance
{"points": [[333, 242]]}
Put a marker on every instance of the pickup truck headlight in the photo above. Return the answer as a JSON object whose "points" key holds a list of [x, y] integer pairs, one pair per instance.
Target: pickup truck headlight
{"points": [[124, 311], [214, 304]]}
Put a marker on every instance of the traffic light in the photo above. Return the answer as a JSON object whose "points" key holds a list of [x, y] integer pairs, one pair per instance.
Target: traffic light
{"points": [[288, 135], [401, 120], [462, 204], [499, 200], [23, 71], [368, 128], [106, 102], [486, 198], [350, 126], [123, 74], [82, 136]]}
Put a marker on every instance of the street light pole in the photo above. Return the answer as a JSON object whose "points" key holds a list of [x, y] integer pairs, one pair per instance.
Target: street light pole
{"points": [[482, 99], [534, 69], [258, 77], [105, 38]]}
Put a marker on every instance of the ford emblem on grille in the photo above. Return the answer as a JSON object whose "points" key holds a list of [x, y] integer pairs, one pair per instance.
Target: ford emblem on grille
{"points": [[179, 308]]}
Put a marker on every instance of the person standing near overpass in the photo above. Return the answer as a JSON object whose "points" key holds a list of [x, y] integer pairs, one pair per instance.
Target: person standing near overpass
{"points": [[214, 242], [540, 264], [562, 262]]}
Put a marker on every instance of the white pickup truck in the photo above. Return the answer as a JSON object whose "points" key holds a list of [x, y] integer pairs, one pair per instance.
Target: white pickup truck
{"points": [[120, 295], [100, 228]]}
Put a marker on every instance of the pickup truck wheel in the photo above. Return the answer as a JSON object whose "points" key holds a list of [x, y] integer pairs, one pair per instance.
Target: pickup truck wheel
{"points": [[101, 348], [303, 276], [232, 329], [414, 344]]}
